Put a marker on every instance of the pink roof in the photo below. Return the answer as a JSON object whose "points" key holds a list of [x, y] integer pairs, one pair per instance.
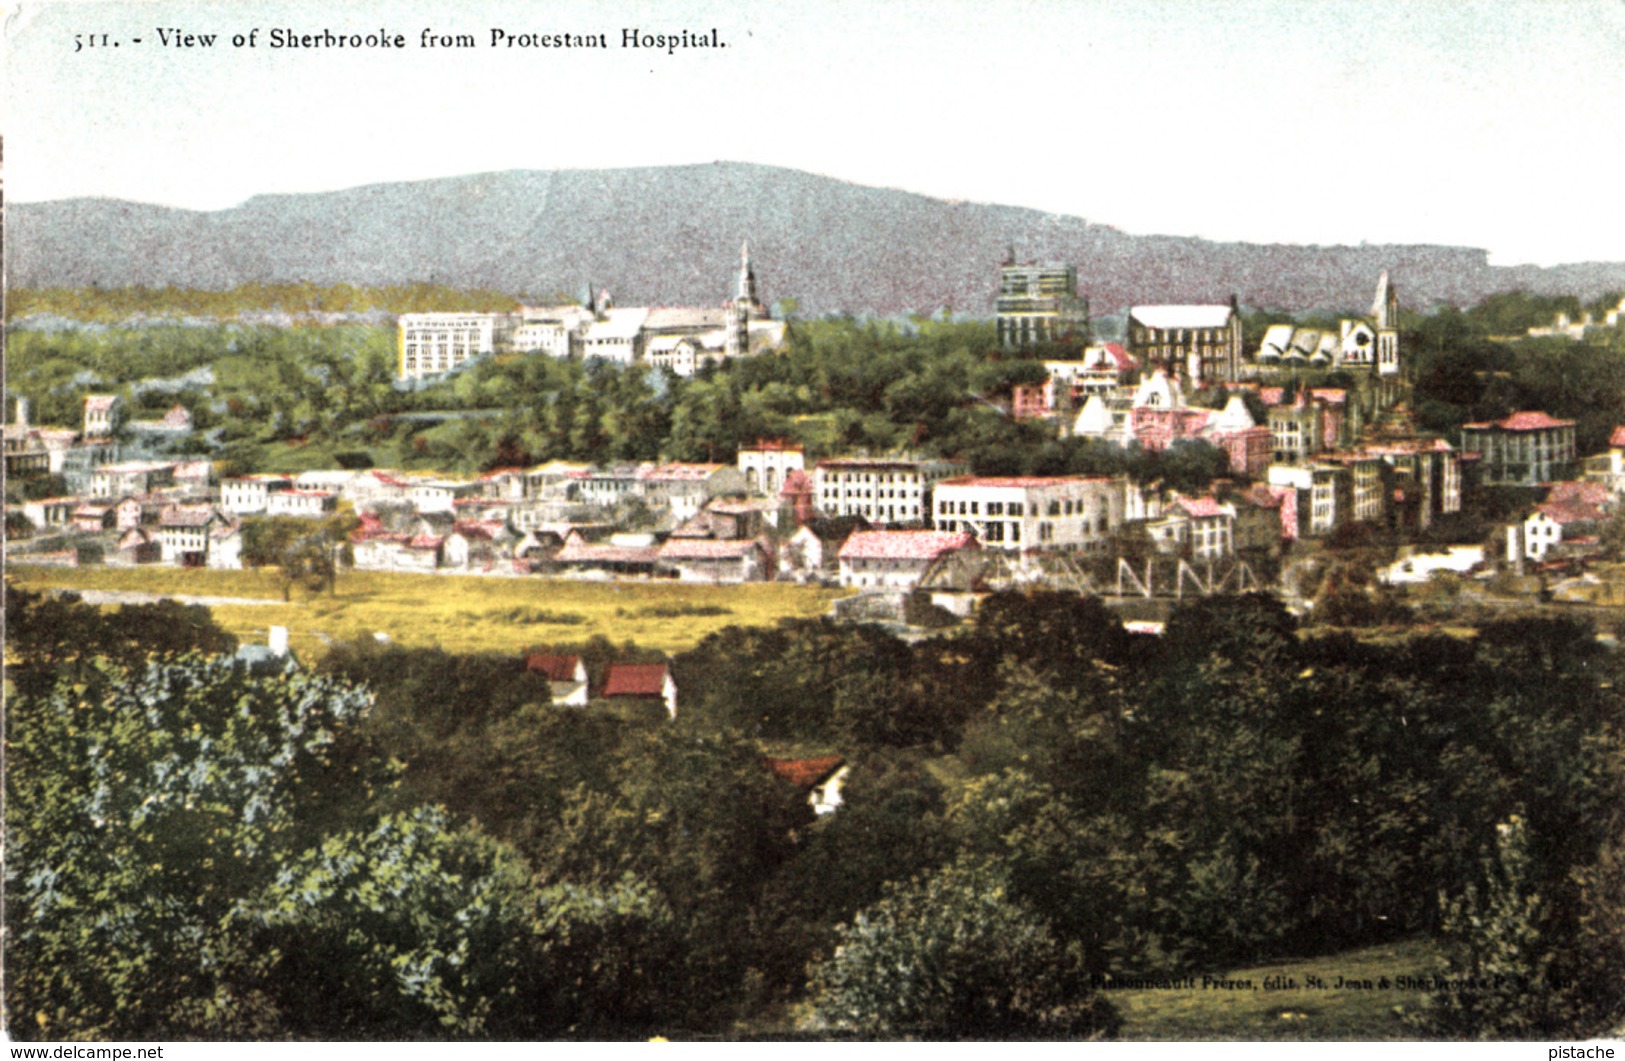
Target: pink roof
{"points": [[1617, 438], [376, 533], [1571, 512], [1200, 506], [1272, 395], [1583, 491], [797, 482], [99, 402], [904, 544], [1330, 395], [426, 541], [1523, 421], [682, 472], [576, 551], [635, 679]]}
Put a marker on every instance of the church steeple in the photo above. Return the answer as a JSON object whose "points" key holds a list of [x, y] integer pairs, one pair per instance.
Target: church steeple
{"points": [[746, 292]]}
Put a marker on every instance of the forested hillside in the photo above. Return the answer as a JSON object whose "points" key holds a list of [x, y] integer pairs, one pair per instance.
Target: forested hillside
{"points": [[671, 235]]}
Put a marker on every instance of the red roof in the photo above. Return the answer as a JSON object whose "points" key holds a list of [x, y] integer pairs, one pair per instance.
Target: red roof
{"points": [[635, 679], [1523, 421], [797, 482], [1119, 355], [557, 668], [805, 773], [1617, 439], [426, 541], [904, 544]]}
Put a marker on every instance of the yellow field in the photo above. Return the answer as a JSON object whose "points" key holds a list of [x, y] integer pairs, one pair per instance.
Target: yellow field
{"points": [[459, 613]]}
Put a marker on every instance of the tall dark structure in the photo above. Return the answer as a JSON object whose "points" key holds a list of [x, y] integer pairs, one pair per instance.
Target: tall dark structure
{"points": [[1039, 303]]}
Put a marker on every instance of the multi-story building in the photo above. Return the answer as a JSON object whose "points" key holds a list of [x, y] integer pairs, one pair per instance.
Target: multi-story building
{"points": [[131, 477], [1324, 495], [767, 464], [1525, 449], [305, 504], [247, 495], [1201, 344], [883, 490], [681, 339], [1039, 303], [435, 343], [1368, 484], [1032, 512]]}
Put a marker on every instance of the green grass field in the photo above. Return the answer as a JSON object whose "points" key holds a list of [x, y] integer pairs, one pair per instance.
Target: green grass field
{"points": [[459, 613], [1292, 1013]]}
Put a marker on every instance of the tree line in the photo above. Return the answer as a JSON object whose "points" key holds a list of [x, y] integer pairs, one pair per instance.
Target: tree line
{"points": [[404, 843]]}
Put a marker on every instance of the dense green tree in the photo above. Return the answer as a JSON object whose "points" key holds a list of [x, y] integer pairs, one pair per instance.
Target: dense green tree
{"points": [[950, 955], [139, 810]]}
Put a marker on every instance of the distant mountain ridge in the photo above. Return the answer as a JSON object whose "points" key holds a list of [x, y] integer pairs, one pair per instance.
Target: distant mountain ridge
{"points": [[671, 235]]}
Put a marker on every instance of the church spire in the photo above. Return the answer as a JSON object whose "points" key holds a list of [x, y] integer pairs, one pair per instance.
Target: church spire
{"points": [[746, 292]]}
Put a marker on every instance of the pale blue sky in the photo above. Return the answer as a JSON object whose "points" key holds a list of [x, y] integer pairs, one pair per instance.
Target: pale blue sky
{"points": [[1490, 123]]}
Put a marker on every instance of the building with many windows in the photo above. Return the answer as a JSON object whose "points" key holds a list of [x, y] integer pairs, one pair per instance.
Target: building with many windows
{"points": [[1525, 449], [681, 339], [1032, 512], [1199, 344], [1039, 303], [883, 490]]}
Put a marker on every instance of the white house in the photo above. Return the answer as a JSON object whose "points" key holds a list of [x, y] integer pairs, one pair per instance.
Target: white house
{"points": [[1032, 512], [766, 465], [881, 490], [247, 495], [305, 504], [896, 559]]}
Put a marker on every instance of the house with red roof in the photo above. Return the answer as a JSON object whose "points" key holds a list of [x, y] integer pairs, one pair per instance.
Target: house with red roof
{"points": [[1525, 449], [1560, 528], [896, 559], [641, 681], [821, 779], [1200, 527], [566, 677]]}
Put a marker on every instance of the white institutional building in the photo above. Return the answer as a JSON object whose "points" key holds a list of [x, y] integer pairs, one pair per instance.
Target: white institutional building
{"points": [[682, 339]]}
